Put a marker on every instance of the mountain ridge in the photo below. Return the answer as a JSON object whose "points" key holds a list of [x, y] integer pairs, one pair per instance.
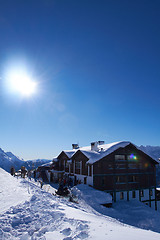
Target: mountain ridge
{"points": [[153, 151], [8, 160]]}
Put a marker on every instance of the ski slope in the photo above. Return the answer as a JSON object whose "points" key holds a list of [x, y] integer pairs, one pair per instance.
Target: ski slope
{"points": [[30, 213]]}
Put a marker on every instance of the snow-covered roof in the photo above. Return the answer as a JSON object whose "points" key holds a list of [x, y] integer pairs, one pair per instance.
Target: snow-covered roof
{"points": [[70, 153], [54, 160], [102, 151]]}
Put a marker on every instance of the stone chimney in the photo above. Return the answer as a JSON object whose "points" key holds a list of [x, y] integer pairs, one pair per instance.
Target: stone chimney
{"points": [[100, 142], [75, 146], [94, 146]]}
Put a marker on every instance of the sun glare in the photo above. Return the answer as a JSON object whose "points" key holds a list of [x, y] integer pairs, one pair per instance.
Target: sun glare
{"points": [[20, 82]]}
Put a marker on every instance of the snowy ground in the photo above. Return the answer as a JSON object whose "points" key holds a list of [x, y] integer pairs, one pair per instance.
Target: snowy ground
{"points": [[134, 213], [12, 191], [29, 213]]}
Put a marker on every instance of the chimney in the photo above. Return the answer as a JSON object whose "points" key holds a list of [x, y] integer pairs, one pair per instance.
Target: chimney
{"points": [[75, 146], [100, 142], [94, 146]]}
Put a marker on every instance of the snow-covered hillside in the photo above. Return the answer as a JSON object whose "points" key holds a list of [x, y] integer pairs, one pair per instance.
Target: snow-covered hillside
{"points": [[29, 213]]}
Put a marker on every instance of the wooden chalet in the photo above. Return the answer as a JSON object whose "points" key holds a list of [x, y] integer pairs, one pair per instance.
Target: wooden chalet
{"points": [[119, 168], [50, 172]]}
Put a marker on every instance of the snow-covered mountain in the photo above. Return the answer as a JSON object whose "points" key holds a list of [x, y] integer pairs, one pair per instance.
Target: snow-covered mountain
{"points": [[8, 160], [31, 164], [153, 151]]}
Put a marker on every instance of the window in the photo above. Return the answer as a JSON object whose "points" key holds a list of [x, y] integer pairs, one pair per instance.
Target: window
{"points": [[78, 165], [133, 194], [67, 164], [120, 179], [103, 181], [121, 195], [140, 166], [117, 179], [120, 166], [132, 178], [151, 192], [132, 165], [110, 166], [89, 170], [142, 193], [120, 157]]}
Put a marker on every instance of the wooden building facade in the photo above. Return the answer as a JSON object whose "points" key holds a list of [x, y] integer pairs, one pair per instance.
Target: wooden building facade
{"points": [[119, 168], [127, 173]]}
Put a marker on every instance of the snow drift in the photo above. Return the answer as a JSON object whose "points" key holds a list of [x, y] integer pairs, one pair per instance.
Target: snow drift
{"points": [[30, 213]]}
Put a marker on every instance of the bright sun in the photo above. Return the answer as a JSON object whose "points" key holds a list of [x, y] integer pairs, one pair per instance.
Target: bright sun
{"points": [[20, 82]]}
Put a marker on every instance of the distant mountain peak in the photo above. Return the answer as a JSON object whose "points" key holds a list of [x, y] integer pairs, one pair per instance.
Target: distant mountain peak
{"points": [[8, 160], [153, 151]]}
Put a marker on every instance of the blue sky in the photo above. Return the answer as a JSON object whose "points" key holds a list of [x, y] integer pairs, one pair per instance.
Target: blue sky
{"points": [[97, 66]]}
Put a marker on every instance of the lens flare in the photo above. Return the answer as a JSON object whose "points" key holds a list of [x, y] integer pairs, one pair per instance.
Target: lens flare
{"points": [[146, 165], [133, 157]]}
